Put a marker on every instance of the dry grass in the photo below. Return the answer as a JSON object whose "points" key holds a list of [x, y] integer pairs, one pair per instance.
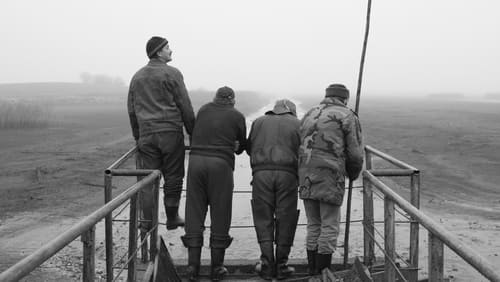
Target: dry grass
{"points": [[24, 114]]}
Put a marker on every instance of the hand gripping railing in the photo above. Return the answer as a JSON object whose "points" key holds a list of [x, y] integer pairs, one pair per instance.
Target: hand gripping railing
{"points": [[83, 228]]}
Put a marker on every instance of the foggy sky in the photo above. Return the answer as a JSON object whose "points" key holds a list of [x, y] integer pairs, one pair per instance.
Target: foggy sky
{"points": [[277, 47]]}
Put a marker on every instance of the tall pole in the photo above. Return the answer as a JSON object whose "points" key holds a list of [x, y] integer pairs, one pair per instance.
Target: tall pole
{"points": [[356, 110]]}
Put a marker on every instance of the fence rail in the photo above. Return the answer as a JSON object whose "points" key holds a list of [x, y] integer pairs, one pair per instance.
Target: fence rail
{"points": [[438, 236], [29, 263]]}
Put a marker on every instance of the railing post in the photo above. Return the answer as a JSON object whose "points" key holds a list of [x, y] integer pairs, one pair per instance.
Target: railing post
{"points": [[414, 225], [88, 239], [132, 238], [436, 259], [154, 224], [390, 240], [368, 230], [108, 226], [144, 246]]}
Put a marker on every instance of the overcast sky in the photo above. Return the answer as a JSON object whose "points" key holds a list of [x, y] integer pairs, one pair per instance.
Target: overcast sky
{"points": [[277, 47]]}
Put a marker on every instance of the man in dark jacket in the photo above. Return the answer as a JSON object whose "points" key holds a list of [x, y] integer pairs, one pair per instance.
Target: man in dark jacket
{"points": [[219, 133], [331, 149], [159, 107], [273, 147]]}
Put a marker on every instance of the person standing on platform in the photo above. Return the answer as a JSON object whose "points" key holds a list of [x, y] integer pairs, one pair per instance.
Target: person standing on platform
{"points": [[159, 107], [219, 133], [331, 149], [273, 146]]}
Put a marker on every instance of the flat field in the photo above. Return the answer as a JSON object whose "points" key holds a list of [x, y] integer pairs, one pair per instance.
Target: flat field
{"points": [[52, 177]]}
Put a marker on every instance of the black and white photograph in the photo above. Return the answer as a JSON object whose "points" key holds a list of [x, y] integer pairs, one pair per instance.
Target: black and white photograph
{"points": [[281, 140]]}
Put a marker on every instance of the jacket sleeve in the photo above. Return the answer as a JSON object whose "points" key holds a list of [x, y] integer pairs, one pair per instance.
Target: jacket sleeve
{"points": [[353, 146], [249, 140], [131, 114], [183, 102], [241, 135]]}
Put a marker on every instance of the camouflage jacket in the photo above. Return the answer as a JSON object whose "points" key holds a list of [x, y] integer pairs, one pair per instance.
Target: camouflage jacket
{"points": [[331, 149], [158, 100]]}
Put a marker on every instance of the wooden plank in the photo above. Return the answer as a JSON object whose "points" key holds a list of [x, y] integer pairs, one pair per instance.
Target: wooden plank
{"points": [[88, 239], [436, 259], [389, 239], [164, 266]]}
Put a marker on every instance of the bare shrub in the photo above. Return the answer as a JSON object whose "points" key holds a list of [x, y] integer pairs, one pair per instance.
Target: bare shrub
{"points": [[24, 114]]}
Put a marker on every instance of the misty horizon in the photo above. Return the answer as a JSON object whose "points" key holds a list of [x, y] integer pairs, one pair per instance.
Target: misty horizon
{"points": [[270, 47]]}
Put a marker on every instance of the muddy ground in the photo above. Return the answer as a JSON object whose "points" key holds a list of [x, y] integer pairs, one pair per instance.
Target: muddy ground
{"points": [[50, 178]]}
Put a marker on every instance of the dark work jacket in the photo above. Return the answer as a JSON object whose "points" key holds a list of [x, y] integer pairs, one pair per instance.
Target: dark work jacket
{"points": [[273, 143], [158, 100], [216, 129]]}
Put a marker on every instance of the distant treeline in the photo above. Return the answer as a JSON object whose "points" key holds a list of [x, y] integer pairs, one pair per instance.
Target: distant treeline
{"points": [[23, 114]]}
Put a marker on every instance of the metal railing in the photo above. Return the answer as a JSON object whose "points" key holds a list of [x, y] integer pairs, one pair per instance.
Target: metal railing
{"points": [[84, 228], [438, 236]]}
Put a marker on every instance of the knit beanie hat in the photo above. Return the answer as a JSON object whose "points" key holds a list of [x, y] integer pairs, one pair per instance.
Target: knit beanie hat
{"points": [[337, 90], [154, 45], [283, 106], [225, 96]]}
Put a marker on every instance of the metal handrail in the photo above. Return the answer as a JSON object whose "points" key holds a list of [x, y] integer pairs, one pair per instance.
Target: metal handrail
{"points": [[394, 161], [469, 255], [26, 265]]}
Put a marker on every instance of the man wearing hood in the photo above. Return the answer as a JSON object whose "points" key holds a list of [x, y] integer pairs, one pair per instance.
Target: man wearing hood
{"points": [[219, 132], [158, 108], [331, 149], [273, 146]]}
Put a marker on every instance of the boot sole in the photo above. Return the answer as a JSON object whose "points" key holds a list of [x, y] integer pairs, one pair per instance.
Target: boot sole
{"points": [[172, 227]]}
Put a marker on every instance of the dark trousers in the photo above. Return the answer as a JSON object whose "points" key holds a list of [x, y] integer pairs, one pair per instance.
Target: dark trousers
{"points": [[163, 151], [274, 206], [209, 183]]}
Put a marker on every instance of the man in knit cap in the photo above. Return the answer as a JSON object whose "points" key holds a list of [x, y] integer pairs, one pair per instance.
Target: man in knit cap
{"points": [[273, 147], [159, 107], [218, 134], [331, 149]]}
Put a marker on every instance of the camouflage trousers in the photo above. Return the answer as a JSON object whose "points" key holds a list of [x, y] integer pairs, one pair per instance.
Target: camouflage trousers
{"points": [[323, 221]]}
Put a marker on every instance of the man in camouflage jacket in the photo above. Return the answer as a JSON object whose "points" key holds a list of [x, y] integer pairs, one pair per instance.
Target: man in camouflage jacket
{"points": [[331, 149], [158, 108]]}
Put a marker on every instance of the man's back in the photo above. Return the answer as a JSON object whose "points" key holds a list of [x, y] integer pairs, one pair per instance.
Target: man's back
{"points": [[274, 142], [159, 99], [216, 129]]}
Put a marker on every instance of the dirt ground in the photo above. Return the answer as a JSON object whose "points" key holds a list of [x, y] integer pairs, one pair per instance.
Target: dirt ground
{"points": [[50, 178]]}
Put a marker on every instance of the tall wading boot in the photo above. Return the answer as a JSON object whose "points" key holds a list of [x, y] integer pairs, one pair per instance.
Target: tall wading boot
{"points": [[323, 261], [311, 261], [172, 211], [218, 271], [283, 270], [193, 269], [265, 268]]}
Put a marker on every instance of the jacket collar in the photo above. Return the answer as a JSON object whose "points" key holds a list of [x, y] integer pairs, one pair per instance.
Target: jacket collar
{"points": [[333, 101], [156, 62]]}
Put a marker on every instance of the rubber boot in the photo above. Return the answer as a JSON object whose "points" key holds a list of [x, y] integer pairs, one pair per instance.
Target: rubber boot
{"points": [[311, 261], [193, 269], [323, 261], [218, 270], [265, 268], [283, 270], [172, 211]]}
